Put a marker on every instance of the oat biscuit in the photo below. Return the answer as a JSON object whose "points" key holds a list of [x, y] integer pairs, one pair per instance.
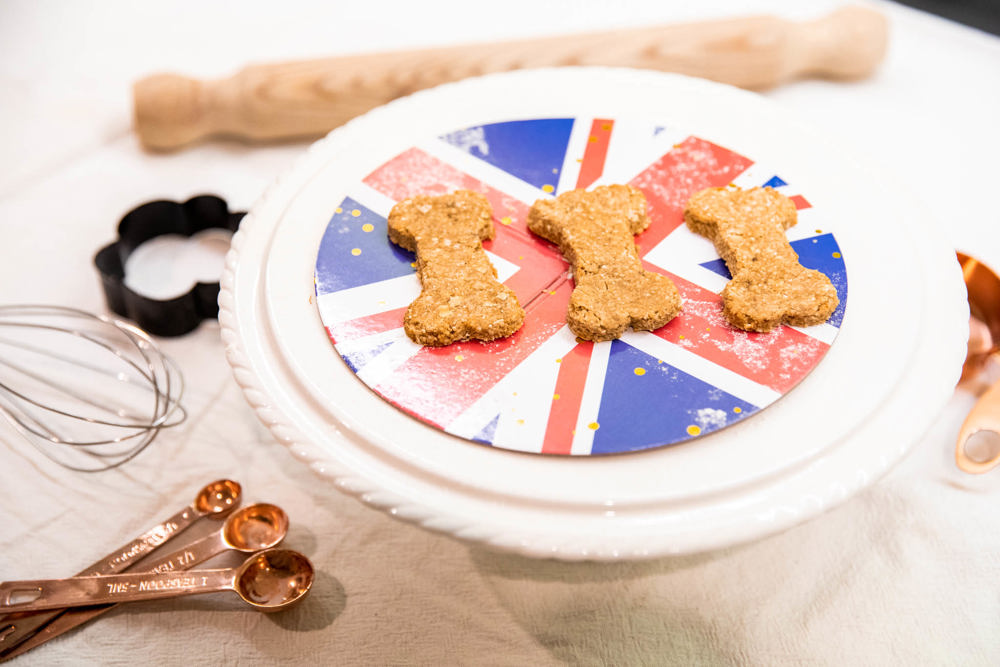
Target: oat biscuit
{"points": [[769, 287], [460, 298], [595, 230]]}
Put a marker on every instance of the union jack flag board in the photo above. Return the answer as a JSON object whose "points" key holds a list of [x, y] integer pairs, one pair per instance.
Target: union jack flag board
{"points": [[541, 390]]}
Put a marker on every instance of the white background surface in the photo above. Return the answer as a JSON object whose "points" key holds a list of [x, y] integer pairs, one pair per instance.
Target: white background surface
{"points": [[905, 573]]}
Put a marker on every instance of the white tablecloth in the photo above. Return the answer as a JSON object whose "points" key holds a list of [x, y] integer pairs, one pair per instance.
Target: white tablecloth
{"points": [[907, 572]]}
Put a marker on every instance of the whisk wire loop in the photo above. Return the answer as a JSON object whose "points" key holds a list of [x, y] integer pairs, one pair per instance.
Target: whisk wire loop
{"points": [[88, 391]]}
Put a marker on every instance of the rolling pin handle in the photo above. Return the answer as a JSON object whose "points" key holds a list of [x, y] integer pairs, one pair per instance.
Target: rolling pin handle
{"points": [[169, 111]]}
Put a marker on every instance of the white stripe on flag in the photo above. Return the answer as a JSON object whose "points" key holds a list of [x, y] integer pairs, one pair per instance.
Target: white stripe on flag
{"points": [[522, 399], [579, 137], [483, 171], [635, 145], [371, 299], [371, 341], [372, 199], [385, 295], [741, 387], [755, 176], [811, 223], [682, 253], [388, 360], [590, 402], [822, 332]]}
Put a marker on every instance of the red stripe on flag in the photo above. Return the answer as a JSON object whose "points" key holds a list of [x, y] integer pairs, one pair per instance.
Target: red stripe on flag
{"points": [[565, 409], [440, 383], [539, 262], [540, 268], [414, 172], [800, 202], [692, 165], [592, 164], [366, 326], [779, 359]]}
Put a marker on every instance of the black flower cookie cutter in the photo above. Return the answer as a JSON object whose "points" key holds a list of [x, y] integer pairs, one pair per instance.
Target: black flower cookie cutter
{"points": [[163, 317]]}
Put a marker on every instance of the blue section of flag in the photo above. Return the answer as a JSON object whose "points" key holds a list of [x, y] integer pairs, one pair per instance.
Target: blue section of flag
{"points": [[775, 182], [357, 359], [718, 266], [354, 251], [489, 431], [823, 254], [667, 401], [816, 252], [531, 150]]}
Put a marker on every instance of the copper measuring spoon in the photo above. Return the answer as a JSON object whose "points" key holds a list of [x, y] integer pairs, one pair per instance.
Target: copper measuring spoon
{"points": [[984, 342], [269, 580], [215, 500], [250, 529]]}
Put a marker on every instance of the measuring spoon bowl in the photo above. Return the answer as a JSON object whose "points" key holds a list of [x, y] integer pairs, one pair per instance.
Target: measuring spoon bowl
{"points": [[218, 499], [256, 527], [248, 529], [274, 579]]}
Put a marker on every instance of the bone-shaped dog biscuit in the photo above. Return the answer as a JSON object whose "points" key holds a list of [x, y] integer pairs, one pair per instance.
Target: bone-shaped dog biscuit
{"points": [[769, 287], [460, 298], [595, 230]]}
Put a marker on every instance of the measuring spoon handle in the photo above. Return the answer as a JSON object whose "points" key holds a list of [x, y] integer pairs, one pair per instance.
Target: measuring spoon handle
{"points": [[178, 561], [984, 416], [13, 630], [190, 555], [41, 594], [124, 556]]}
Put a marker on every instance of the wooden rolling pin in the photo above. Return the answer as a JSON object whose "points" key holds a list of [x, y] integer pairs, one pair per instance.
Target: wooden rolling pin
{"points": [[297, 100]]}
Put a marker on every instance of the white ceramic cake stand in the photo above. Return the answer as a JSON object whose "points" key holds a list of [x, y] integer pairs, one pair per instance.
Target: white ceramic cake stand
{"points": [[891, 368]]}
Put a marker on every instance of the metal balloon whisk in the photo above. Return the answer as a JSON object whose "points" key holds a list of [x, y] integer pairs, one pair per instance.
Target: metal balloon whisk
{"points": [[88, 391]]}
